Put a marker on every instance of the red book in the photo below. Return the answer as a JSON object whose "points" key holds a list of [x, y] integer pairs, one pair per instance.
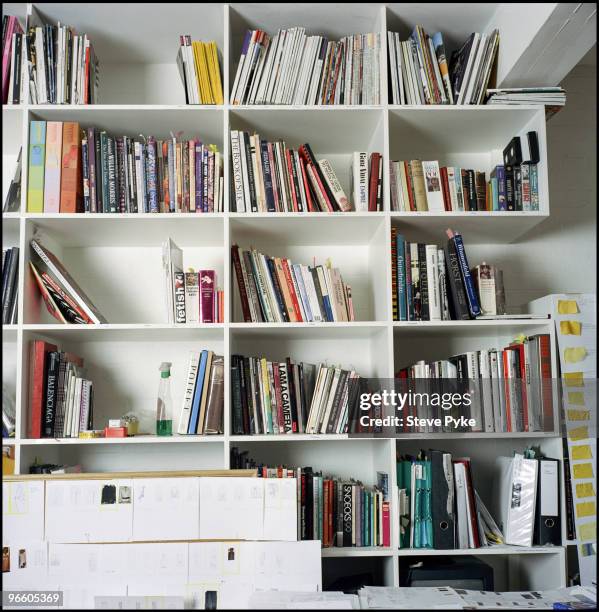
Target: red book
{"points": [[71, 185], [505, 357], [309, 201], [386, 524], [471, 502], [38, 366], [294, 195], [291, 288], [409, 185], [445, 186], [373, 186], [306, 153], [207, 289], [325, 511], [545, 374], [245, 304]]}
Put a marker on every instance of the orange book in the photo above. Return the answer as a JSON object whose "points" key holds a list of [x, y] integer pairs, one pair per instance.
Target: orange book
{"points": [[71, 188]]}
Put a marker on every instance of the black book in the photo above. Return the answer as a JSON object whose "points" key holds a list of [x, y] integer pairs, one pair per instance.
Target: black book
{"points": [[16, 90], [472, 202], [236, 396], [307, 380], [113, 194], [457, 66], [518, 188], [348, 510], [458, 303], [423, 273], [292, 399], [9, 292], [309, 504], [510, 195], [337, 402], [245, 137], [295, 177], [68, 62], [277, 288], [51, 394], [268, 176], [133, 204], [249, 427], [297, 391], [5, 275], [318, 292]]}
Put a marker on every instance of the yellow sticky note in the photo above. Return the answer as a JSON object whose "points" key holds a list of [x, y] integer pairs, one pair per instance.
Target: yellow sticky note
{"points": [[567, 307], [582, 470], [581, 452], [585, 489], [576, 398], [573, 379], [585, 509], [570, 328], [574, 354], [587, 531], [579, 415], [578, 433]]}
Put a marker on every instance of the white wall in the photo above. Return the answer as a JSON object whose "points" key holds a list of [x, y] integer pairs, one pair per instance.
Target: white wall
{"points": [[560, 254]]}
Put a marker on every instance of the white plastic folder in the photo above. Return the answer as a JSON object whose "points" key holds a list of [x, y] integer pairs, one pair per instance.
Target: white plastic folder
{"points": [[166, 509], [517, 498], [22, 511], [82, 511], [232, 508]]}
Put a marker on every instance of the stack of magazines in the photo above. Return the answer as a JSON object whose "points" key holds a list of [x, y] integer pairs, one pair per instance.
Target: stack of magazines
{"points": [[554, 98]]}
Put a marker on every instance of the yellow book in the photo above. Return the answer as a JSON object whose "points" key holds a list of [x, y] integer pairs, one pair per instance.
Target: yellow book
{"points": [[196, 47], [206, 74], [217, 88]]}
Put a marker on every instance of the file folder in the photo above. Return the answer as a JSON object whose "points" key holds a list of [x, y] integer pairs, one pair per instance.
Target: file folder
{"points": [[443, 502], [548, 520]]}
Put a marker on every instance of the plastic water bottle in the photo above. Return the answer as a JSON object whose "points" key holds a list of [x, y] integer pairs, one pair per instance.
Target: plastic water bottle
{"points": [[164, 405]]}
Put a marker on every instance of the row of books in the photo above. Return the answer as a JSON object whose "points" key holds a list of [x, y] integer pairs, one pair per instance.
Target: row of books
{"points": [[420, 73], [200, 71], [424, 186], [269, 177], [432, 284], [87, 170], [438, 504], [203, 401], [191, 297], [10, 279], [511, 389], [292, 68], [64, 298], [60, 395], [271, 397], [275, 290], [339, 512], [58, 66]]}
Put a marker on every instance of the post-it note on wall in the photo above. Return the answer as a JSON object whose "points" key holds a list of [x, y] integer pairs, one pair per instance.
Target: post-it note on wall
{"points": [[570, 328], [567, 307]]}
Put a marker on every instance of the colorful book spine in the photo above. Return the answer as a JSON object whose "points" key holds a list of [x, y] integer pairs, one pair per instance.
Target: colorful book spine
{"points": [[401, 279], [71, 195], [53, 166], [37, 158], [207, 289], [151, 178]]}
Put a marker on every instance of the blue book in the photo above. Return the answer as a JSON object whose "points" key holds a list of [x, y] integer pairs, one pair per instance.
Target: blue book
{"points": [[494, 194], [197, 394], [499, 173], [401, 278], [473, 304]]}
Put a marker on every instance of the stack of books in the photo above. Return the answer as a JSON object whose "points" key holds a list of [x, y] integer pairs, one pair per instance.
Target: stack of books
{"points": [[292, 68], [60, 396], [14, 57], [424, 186], [62, 66], [191, 297], [200, 71], [554, 98], [421, 74], [269, 177], [510, 389], [337, 511], [271, 397], [76, 170], [10, 281], [430, 283], [275, 290], [203, 401], [64, 299], [439, 506]]}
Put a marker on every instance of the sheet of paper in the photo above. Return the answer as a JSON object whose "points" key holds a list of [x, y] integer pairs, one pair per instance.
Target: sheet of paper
{"points": [[24, 565], [22, 511], [280, 509]]}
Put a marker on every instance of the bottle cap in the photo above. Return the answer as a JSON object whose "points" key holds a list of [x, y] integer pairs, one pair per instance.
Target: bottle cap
{"points": [[165, 369]]}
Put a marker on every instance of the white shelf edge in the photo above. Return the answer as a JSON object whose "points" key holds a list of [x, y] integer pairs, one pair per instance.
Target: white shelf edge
{"points": [[142, 439]]}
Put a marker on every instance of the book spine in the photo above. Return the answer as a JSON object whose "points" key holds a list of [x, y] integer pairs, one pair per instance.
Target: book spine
{"points": [[423, 276], [70, 182], [525, 187], [207, 289], [151, 176], [510, 196], [53, 166], [121, 174], [468, 282], [180, 315], [50, 395], [285, 398], [112, 186], [192, 373], [334, 185], [459, 301], [394, 287], [534, 187], [37, 158], [373, 185], [402, 301]]}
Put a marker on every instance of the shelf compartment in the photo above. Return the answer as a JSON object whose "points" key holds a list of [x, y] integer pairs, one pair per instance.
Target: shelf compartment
{"points": [[142, 60], [484, 550]]}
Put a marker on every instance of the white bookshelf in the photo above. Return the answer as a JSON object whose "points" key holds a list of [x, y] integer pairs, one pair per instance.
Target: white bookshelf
{"points": [[117, 257]]}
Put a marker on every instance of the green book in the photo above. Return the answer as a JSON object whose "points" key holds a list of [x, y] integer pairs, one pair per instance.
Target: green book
{"points": [[37, 164]]}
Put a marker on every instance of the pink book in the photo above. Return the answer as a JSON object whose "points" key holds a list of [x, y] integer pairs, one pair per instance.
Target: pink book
{"points": [[12, 27], [53, 167], [207, 289]]}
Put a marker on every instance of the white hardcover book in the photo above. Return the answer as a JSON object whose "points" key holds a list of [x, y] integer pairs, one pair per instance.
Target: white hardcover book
{"points": [[458, 188], [290, 65], [256, 79], [74, 59], [462, 99], [298, 91], [270, 290], [70, 403], [451, 181], [432, 268], [360, 180], [76, 408], [297, 60], [312, 67], [329, 400], [484, 365], [13, 68], [331, 291], [407, 62], [475, 75], [393, 67], [276, 67], [316, 73], [432, 185], [400, 70], [334, 185], [238, 73], [40, 66], [268, 68], [312, 295], [247, 67], [290, 35], [496, 382]]}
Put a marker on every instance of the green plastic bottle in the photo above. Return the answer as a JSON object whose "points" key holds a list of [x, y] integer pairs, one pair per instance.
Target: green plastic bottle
{"points": [[164, 405]]}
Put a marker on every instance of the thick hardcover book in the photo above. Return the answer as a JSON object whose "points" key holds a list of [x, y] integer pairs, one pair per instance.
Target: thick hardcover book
{"points": [[113, 185], [473, 303], [53, 166], [480, 190], [50, 395], [207, 289], [241, 284], [38, 368], [458, 302], [71, 195], [236, 401], [197, 394], [373, 181], [418, 185], [179, 281], [278, 289], [306, 153], [268, 176], [286, 398], [433, 186], [213, 423], [192, 297], [121, 174], [423, 273], [394, 290], [499, 173], [545, 380], [334, 185], [37, 158]]}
